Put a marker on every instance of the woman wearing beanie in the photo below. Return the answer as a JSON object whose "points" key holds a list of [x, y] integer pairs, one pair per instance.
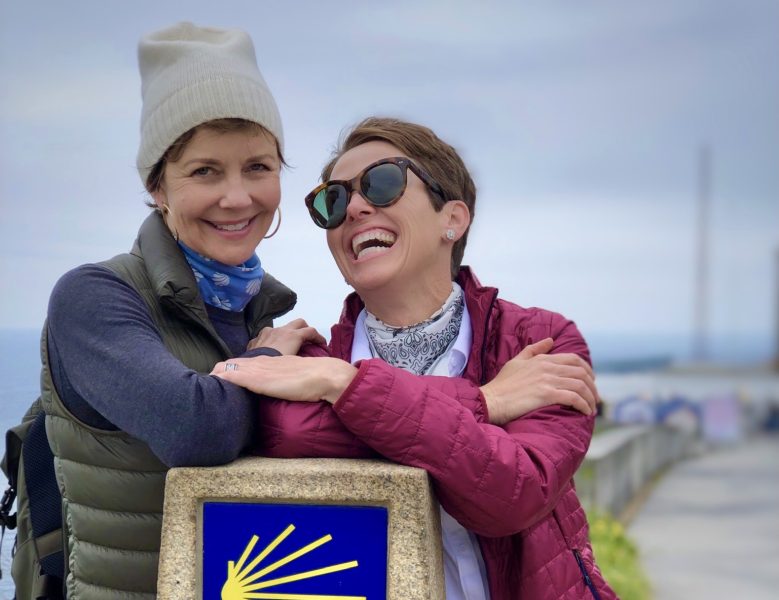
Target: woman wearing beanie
{"points": [[408, 366], [130, 341]]}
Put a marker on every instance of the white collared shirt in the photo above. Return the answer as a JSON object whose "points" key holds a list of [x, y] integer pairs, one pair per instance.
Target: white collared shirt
{"points": [[464, 572]]}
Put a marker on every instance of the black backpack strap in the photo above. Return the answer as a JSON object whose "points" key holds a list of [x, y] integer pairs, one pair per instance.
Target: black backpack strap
{"points": [[10, 464], [28, 440], [14, 438], [44, 498], [7, 520], [13, 442], [48, 587]]}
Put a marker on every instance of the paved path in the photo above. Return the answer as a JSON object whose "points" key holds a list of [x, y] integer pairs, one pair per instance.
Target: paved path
{"points": [[710, 529]]}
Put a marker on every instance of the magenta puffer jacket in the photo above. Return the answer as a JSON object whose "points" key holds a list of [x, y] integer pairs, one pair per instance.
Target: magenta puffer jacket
{"points": [[511, 485]]}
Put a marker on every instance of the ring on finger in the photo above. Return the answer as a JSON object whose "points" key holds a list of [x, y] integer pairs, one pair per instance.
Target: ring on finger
{"points": [[231, 366]]}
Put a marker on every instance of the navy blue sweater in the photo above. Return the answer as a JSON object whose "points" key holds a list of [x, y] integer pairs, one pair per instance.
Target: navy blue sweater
{"points": [[112, 371]]}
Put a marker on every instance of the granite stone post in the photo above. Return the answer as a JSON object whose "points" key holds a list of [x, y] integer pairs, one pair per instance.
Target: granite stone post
{"points": [[412, 543]]}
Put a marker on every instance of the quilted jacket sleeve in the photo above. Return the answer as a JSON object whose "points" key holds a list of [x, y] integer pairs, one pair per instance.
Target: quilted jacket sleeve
{"points": [[495, 481], [312, 429]]}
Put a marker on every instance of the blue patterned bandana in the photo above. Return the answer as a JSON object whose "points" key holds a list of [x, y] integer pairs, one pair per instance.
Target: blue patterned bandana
{"points": [[418, 348], [225, 286]]}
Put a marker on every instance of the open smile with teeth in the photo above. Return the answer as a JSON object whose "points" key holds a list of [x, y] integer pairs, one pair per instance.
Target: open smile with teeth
{"points": [[231, 226], [372, 242]]}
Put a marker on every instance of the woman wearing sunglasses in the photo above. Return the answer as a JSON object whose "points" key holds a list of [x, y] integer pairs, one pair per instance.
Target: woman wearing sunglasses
{"points": [[130, 341], [429, 368]]}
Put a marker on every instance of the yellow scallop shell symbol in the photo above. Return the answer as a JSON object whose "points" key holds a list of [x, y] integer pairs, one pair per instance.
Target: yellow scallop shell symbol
{"points": [[244, 582]]}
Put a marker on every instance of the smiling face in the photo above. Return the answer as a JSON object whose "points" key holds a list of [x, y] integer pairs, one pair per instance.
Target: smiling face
{"points": [[221, 194], [397, 258]]}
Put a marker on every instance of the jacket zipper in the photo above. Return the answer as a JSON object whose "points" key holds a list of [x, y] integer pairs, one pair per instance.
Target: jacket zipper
{"points": [[484, 339], [579, 561], [587, 580]]}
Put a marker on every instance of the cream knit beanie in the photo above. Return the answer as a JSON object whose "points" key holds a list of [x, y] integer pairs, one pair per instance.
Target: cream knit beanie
{"points": [[190, 75]]}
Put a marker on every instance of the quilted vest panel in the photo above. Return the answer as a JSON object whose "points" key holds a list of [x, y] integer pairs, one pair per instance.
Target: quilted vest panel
{"points": [[112, 484]]}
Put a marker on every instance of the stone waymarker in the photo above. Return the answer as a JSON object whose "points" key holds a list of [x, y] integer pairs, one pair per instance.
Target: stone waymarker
{"points": [[300, 529]]}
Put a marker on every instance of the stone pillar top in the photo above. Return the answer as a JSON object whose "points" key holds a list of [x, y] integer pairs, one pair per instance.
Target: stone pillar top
{"points": [[414, 564]]}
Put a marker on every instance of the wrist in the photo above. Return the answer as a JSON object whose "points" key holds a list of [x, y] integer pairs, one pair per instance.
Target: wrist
{"points": [[261, 351], [339, 379], [494, 408]]}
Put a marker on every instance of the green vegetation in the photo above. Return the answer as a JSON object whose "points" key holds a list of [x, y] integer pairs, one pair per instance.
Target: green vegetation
{"points": [[603, 424], [617, 557]]}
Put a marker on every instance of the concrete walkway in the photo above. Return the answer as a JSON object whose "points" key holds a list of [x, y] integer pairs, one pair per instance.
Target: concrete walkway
{"points": [[710, 529]]}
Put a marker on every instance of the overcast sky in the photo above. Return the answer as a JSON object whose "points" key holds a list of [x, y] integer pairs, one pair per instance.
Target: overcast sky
{"points": [[581, 122]]}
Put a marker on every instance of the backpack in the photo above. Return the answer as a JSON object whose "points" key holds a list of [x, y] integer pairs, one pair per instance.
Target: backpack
{"points": [[38, 563]]}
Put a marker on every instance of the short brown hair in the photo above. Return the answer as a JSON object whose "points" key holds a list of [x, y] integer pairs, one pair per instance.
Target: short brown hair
{"points": [[424, 147], [176, 149]]}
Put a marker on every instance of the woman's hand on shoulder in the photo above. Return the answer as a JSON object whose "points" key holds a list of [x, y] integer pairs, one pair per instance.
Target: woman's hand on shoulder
{"points": [[289, 377], [534, 379], [288, 338]]}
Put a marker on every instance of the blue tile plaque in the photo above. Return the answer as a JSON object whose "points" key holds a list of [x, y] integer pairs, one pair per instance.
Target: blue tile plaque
{"points": [[294, 552]]}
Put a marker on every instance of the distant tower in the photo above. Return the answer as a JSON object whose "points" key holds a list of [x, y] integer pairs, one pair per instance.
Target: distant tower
{"points": [[776, 323], [701, 313]]}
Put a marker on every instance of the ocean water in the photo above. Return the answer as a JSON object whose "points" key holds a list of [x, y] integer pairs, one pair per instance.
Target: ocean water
{"points": [[19, 372], [625, 349]]}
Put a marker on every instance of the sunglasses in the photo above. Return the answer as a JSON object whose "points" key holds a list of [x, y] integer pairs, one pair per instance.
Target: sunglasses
{"points": [[381, 184]]}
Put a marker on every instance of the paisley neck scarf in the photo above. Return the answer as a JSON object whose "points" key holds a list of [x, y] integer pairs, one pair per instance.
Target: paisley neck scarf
{"points": [[225, 286], [417, 348]]}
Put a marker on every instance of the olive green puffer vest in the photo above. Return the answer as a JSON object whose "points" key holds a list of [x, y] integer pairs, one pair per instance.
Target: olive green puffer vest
{"points": [[112, 484]]}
